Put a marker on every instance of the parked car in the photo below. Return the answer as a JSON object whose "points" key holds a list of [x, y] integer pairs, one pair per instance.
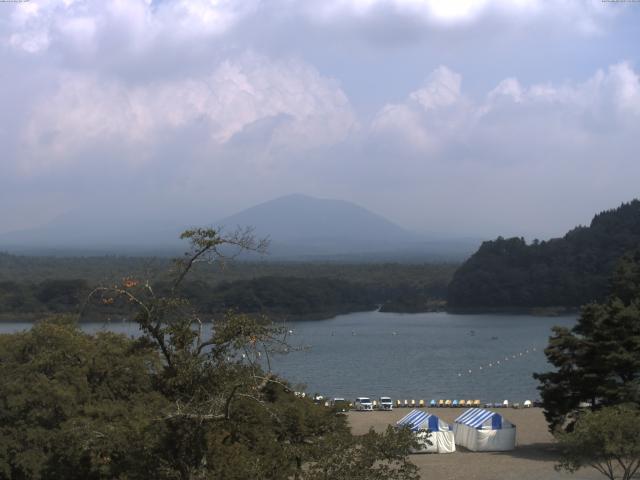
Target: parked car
{"points": [[340, 404], [385, 403], [363, 404]]}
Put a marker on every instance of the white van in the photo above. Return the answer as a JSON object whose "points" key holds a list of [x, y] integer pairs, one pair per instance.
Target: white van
{"points": [[386, 403], [363, 404]]}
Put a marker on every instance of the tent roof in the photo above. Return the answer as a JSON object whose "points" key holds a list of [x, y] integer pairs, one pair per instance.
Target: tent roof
{"points": [[479, 417], [417, 420]]}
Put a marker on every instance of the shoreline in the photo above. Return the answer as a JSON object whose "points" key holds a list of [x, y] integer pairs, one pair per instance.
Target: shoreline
{"points": [[557, 311], [31, 317]]}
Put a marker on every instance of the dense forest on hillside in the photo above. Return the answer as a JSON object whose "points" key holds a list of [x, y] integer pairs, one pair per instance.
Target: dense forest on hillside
{"points": [[561, 272], [107, 269], [32, 286]]}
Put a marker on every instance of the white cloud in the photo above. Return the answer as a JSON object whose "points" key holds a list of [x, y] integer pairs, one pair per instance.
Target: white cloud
{"points": [[204, 17], [540, 115], [508, 88], [431, 116], [402, 123], [622, 85], [584, 16], [34, 27], [87, 112], [442, 90]]}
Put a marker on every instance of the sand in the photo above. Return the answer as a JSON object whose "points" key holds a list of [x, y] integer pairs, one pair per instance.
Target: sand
{"points": [[533, 459]]}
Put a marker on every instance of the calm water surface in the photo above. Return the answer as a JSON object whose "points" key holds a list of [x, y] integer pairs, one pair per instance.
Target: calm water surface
{"points": [[425, 355], [411, 356]]}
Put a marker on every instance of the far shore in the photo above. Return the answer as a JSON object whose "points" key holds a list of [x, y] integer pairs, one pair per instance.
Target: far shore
{"points": [[32, 317], [534, 311]]}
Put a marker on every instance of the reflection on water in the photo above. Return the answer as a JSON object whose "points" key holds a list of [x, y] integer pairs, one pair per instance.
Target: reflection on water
{"points": [[413, 356]]}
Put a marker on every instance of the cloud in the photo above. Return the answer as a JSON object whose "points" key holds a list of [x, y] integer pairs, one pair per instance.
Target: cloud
{"points": [[242, 100], [555, 143], [75, 26], [431, 116], [254, 127], [439, 113], [584, 17], [86, 112], [38, 26]]}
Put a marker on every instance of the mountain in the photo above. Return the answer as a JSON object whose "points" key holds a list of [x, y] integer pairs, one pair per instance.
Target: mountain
{"points": [[321, 225], [300, 228], [567, 272], [304, 227]]}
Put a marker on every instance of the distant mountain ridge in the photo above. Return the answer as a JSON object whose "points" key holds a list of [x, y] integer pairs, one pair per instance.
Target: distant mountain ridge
{"points": [[568, 271], [300, 228], [321, 226]]}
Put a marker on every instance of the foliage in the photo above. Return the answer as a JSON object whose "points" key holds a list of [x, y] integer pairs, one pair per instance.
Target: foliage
{"points": [[598, 360], [50, 296], [606, 440], [188, 400], [300, 290], [284, 296], [75, 406], [110, 268], [568, 271], [369, 457]]}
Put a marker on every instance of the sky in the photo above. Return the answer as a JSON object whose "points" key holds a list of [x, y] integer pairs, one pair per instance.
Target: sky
{"points": [[466, 118]]}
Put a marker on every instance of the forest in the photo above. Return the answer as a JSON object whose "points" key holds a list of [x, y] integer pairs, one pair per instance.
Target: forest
{"points": [[561, 272], [33, 286]]}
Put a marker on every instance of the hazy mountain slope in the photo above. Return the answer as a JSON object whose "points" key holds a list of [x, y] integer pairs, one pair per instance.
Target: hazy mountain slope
{"points": [[300, 228], [568, 271], [308, 228], [84, 232], [314, 222]]}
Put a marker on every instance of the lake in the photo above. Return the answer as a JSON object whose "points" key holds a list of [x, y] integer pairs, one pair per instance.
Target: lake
{"points": [[425, 355], [415, 356]]}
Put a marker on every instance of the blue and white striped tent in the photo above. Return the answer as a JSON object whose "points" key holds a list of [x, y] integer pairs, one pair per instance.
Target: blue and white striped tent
{"points": [[421, 420], [429, 426], [480, 418], [483, 430]]}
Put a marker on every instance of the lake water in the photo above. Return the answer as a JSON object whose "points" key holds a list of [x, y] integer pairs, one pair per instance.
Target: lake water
{"points": [[412, 356], [421, 356]]}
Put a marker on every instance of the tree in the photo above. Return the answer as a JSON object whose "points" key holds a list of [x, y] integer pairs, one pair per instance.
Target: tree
{"points": [[190, 399], [598, 360], [561, 272], [606, 440], [369, 457], [76, 406]]}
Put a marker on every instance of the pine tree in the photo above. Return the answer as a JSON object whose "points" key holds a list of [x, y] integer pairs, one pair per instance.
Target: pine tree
{"points": [[598, 360]]}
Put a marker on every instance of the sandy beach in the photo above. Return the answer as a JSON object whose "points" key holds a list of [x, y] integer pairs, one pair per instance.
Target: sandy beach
{"points": [[533, 459]]}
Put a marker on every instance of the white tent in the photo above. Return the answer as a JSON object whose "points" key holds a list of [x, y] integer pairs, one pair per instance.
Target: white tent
{"points": [[482, 430], [429, 427]]}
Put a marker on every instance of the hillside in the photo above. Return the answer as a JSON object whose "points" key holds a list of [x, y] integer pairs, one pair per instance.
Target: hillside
{"points": [[566, 272]]}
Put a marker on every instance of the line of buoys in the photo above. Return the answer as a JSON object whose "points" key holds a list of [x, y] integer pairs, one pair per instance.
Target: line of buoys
{"points": [[497, 363]]}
